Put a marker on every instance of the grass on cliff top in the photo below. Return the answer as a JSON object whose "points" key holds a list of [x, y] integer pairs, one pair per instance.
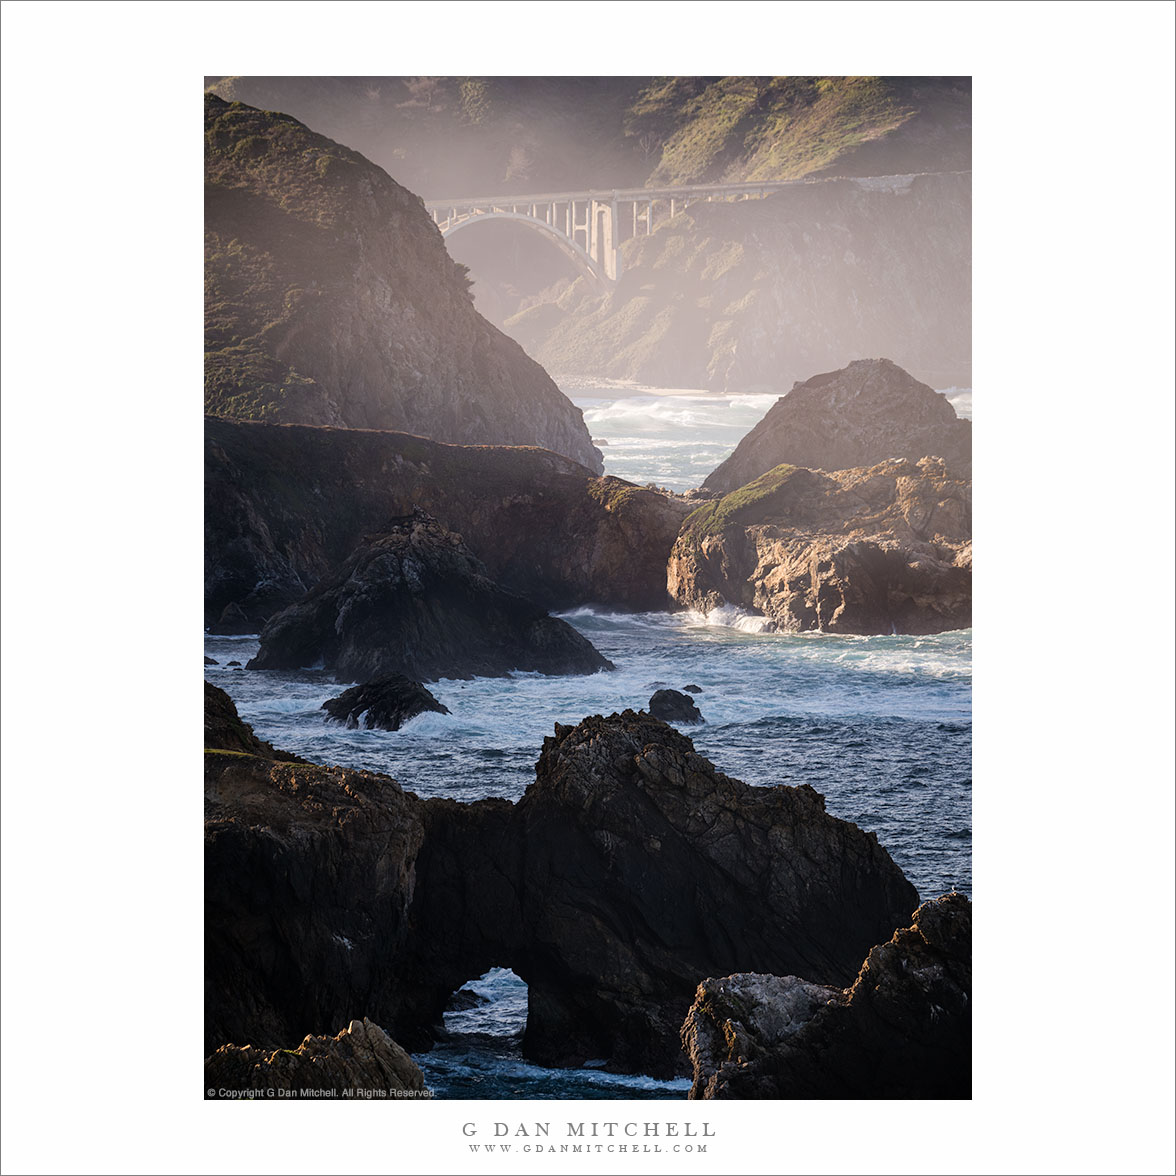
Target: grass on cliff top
{"points": [[758, 128], [744, 507]]}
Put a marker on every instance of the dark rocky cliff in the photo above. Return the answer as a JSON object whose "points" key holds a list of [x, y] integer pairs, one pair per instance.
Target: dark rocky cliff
{"points": [[285, 505], [867, 412], [330, 299], [412, 600], [630, 870], [762, 293], [902, 1030]]}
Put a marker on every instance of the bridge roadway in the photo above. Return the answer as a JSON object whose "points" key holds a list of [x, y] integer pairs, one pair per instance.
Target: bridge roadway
{"points": [[589, 226]]}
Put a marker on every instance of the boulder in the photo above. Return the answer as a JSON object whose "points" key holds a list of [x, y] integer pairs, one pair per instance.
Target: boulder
{"points": [[386, 704], [861, 415], [903, 1030], [674, 707], [208, 661], [887, 549], [692, 689], [361, 1061], [413, 600]]}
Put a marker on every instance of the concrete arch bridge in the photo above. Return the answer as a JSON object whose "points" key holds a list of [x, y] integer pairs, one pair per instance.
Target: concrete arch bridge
{"points": [[590, 226]]}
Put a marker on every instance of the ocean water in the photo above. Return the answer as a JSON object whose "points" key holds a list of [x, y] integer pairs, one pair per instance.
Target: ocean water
{"points": [[880, 726], [674, 437]]}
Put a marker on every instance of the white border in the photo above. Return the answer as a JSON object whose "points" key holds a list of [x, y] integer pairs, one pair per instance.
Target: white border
{"points": [[102, 472]]}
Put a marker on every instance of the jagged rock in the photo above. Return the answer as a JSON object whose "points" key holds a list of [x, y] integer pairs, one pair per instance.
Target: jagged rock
{"points": [[880, 550], [285, 505], [644, 865], [902, 1031], [630, 868], [674, 707], [692, 689], [208, 661], [224, 730], [861, 415], [330, 299], [414, 601], [361, 1061], [386, 704]]}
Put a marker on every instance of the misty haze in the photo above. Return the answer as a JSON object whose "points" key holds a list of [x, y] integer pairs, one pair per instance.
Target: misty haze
{"points": [[588, 599]]}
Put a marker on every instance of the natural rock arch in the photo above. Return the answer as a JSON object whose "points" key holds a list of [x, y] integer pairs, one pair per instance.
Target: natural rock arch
{"points": [[629, 871]]}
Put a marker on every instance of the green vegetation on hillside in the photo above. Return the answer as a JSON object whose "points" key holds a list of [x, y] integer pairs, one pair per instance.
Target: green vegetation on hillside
{"points": [[449, 136], [748, 128], [748, 505]]}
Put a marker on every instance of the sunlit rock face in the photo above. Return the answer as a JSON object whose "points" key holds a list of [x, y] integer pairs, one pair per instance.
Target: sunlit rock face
{"points": [[887, 549], [360, 1058], [330, 300], [630, 869], [903, 1029]]}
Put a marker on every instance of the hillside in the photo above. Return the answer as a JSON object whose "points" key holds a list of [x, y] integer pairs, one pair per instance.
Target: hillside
{"points": [[746, 128], [330, 299], [451, 136], [759, 294]]}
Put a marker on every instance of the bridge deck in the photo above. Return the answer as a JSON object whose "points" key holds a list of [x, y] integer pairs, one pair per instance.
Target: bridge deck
{"points": [[606, 195]]}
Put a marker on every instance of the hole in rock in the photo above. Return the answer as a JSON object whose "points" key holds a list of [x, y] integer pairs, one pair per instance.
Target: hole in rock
{"points": [[494, 1005], [480, 1055]]}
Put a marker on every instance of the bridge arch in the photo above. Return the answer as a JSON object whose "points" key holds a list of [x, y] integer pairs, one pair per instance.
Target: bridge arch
{"points": [[583, 262]]}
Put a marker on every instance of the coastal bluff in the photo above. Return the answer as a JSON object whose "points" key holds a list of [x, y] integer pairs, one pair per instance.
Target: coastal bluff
{"points": [[285, 505], [330, 299]]}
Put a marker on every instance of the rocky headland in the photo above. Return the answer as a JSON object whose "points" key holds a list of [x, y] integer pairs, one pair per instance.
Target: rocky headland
{"points": [[858, 416], [330, 299], [284, 506], [412, 600], [880, 550], [360, 1061], [630, 870], [902, 1030]]}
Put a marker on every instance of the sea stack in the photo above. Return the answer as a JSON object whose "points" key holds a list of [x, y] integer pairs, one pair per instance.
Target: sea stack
{"points": [[866, 413]]}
